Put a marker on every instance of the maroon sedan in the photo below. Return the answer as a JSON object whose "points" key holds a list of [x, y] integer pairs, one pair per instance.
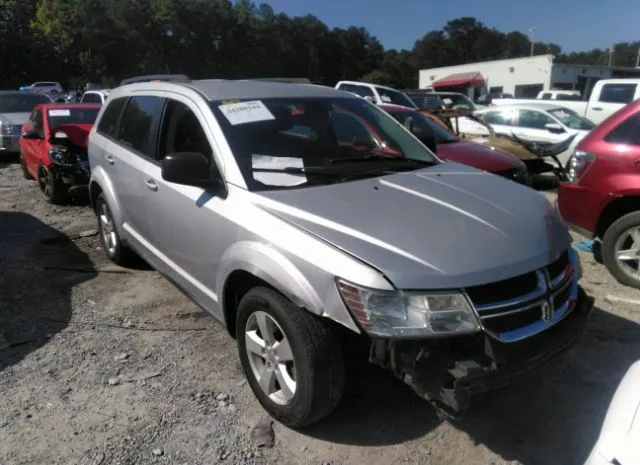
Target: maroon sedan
{"points": [[602, 197], [449, 147]]}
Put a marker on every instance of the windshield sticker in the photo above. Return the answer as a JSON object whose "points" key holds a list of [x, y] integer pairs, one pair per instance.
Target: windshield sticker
{"points": [[60, 112], [277, 163], [385, 98], [246, 112], [562, 114]]}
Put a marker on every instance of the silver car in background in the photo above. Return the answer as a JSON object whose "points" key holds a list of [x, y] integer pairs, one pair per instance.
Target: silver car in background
{"points": [[15, 109], [298, 234]]}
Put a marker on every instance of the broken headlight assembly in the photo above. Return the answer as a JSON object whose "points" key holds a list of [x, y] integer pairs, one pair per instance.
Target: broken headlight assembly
{"points": [[61, 155], [409, 314]]}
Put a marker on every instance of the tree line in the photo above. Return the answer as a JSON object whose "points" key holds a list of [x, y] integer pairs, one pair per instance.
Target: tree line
{"points": [[79, 41]]}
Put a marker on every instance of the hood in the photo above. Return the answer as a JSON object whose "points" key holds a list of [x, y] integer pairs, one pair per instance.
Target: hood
{"points": [[447, 226], [15, 118], [78, 133], [479, 156]]}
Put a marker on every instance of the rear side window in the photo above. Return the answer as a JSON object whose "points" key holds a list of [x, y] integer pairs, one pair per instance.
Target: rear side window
{"points": [[91, 98], [627, 132], [362, 91], [139, 123], [617, 93]]}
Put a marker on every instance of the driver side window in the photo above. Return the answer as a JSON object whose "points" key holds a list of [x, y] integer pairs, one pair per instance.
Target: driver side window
{"points": [[181, 131], [533, 119]]}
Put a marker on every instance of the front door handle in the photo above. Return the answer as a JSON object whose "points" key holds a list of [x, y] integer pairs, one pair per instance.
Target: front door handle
{"points": [[150, 183], [110, 159], [597, 108]]}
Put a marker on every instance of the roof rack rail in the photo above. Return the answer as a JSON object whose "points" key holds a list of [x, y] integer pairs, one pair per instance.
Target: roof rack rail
{"points": [[156, 77], [283, 79]]}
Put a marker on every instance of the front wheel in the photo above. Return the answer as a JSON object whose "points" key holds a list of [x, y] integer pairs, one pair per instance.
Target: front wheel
{"points": [[115, 250], [52, 187], [621, 249], [292, 359]]}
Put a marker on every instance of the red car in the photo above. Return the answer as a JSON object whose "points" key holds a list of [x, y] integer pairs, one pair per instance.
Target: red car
{"points": [[602, 196], [53, 148], [449, 147]]}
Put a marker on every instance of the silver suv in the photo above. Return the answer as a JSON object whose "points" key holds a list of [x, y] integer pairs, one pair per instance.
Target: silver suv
{"points": [[268, 205]]}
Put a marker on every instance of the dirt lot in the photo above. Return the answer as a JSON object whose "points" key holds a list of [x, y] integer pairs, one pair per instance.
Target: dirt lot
{"points": [[102, 365]]}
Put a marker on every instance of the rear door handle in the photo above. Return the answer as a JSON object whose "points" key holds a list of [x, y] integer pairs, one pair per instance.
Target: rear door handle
{"points": [[151, 184], [597, 108], [110, 159]]}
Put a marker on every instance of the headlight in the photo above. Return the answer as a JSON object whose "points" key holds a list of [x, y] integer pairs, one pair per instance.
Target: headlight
{"points": [[409, 314], [6, 127]]}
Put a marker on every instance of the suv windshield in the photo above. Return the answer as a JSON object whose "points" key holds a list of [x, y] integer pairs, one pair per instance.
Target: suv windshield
{"points": [[315, 141], [395, 97], [58, 116], [21, 102], [421, 126], [571, 119]]}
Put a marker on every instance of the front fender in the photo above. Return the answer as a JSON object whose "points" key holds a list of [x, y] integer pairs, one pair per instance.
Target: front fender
{"points": [[271, 266], [100, 178]]}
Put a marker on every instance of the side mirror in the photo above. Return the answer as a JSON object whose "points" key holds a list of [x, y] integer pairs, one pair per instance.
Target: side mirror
{"points": [[554, 127], [30, 133], [188, 168]]}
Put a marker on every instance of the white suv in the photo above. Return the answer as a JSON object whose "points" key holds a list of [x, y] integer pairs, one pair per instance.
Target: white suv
{"points": [[48, 87], [375, 93], [95, 96]]}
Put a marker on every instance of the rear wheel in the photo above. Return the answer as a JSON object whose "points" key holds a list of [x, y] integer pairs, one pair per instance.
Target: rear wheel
{"points": [[621, 249], [292, 359], [23, 165], [52, 188]]}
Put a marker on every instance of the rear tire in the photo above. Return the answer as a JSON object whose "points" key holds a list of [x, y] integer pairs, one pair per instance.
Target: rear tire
{"points": [[618, 241], [114, 249], [299, 350], [52, 188], [23, 165]]}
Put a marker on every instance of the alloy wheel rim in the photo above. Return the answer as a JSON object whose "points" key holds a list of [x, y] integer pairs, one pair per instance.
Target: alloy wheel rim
{"points": [[627, 252], [270, 357], [108, 231]]}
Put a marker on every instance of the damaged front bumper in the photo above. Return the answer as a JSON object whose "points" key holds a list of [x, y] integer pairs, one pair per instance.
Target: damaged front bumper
{"points": [[447, 372]]}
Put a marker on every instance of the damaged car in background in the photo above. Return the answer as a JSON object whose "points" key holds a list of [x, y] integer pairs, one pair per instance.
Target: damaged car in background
{"points": [[300, 241], [53, 149]]}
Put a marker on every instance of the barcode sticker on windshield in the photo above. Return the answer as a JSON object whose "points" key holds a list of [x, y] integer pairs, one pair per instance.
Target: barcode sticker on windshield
{"points": [[60, 112], [246, 112]]}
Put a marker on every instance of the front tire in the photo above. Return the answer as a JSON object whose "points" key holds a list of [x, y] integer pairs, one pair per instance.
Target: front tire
{"points": [[621, 249], [292, 359], [52, 188], [115, 250]]}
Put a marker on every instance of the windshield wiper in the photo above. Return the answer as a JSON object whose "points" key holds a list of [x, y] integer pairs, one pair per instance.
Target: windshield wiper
{"points": [[387, 158], [297, 170]]}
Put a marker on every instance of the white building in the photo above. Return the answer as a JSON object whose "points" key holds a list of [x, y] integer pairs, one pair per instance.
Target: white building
{"points": [[520, 77]]}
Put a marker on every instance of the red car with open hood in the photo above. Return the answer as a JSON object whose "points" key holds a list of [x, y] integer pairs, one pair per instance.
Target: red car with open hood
{"points": [[448, 146], [53, 148]]}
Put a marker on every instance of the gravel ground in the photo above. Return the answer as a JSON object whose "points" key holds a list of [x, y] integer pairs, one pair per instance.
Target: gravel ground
{"points": [[102, 365]]}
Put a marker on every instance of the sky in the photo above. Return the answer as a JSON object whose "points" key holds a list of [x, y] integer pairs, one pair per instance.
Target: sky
{"points": [[575, 25]]}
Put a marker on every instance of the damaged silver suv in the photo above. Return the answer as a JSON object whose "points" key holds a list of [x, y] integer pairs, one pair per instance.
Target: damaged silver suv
{"points": [[272, 208]]}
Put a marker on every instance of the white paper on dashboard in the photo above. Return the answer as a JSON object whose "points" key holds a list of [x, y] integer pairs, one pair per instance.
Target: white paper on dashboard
{"points": [[60, 112], [246, 112], [277, 163]]}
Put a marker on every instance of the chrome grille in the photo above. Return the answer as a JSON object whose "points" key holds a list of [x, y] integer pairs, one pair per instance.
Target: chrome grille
{"points": [[520, 307]]}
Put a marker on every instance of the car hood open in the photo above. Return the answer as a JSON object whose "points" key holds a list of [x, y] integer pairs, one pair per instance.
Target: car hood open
{"points": [[78, 133], [446, 226], [479, 156]]}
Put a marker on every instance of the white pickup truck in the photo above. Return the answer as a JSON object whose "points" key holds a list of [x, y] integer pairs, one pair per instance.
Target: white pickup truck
{"points": [[608, 96]]}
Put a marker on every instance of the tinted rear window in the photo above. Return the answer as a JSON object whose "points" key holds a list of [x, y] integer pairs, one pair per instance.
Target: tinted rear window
{"points": [[617, 93], [60, 116], [21, 102]]}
